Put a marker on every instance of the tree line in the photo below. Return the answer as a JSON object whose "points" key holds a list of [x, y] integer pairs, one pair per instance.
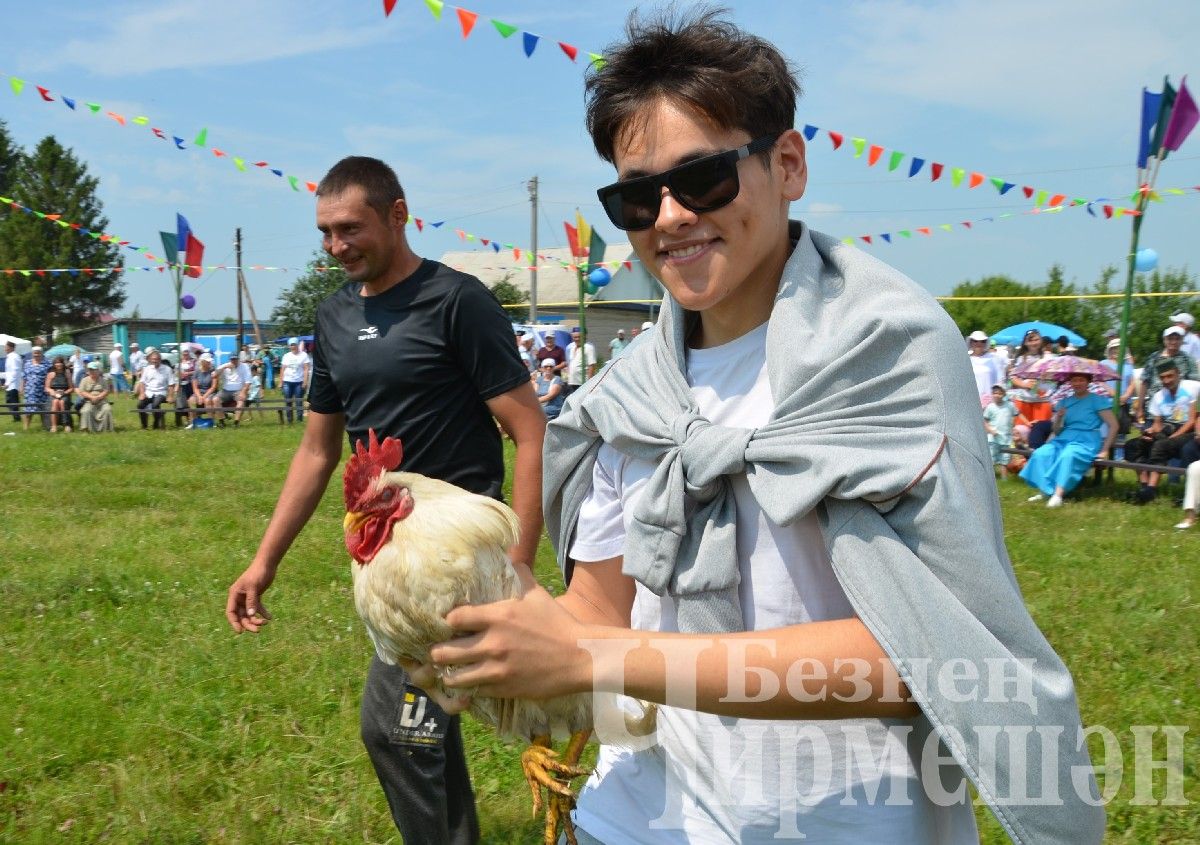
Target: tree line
{"points": [[50, 179]]}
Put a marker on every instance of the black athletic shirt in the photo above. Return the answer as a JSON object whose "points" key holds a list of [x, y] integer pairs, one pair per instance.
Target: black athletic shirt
{"points": [[417, 362]]}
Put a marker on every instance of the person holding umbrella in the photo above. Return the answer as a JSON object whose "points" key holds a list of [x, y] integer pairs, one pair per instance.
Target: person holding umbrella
{"points": [[1057, 467]]}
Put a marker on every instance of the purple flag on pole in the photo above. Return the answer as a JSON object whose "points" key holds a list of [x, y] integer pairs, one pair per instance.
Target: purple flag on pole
{"points": [[1183, 118]]}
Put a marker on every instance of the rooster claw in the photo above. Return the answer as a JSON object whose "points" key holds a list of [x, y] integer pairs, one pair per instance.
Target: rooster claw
{"points": [[543, 769]]}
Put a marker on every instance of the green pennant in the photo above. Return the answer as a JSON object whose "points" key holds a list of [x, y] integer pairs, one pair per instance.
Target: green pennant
{"points": [[95, 107], [906, 233], [949, 227], [6, 199], [1078, 201], [41, 215], [435, 8], [292, 182], [1040, 199], [956, 176], [94, 235], [895, 160], [26, 273], [16, 84], [505, 29], [140, 121], [859, 144], [201, 137], [597, 60], [998, 182]]}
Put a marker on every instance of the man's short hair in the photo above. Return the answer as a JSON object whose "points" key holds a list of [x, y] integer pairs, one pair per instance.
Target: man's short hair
{"points": [[378, 181], [700, 61], [1165, 367]]}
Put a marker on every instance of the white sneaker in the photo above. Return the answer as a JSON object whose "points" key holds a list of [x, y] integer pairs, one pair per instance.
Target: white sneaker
{"points": [[1055, 502], [1183, 525], [189, 425], [1036, 497]]}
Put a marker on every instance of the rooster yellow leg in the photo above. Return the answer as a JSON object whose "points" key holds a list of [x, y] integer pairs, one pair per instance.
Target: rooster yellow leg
{"points": [[544, 768]]}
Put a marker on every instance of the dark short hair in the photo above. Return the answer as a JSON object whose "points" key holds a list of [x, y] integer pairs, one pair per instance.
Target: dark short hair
{"points": [[377, 180], [701, 61], [1165, 366]]}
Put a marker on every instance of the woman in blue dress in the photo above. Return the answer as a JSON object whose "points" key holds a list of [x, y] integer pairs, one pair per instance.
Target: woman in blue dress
{"points": [[1057, 467]]}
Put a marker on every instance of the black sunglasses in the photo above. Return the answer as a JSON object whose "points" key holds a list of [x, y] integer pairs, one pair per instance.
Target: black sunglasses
{"points": [[705, 184]]}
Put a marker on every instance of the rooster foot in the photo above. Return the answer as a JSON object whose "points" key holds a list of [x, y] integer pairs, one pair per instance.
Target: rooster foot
{"points": [[544, 769]]}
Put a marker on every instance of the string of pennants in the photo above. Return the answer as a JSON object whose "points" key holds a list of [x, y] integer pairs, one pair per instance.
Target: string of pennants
{"points": [[467, 20]]}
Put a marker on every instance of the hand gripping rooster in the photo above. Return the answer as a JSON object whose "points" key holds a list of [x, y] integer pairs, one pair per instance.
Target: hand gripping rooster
{"points": [[421, 547]]}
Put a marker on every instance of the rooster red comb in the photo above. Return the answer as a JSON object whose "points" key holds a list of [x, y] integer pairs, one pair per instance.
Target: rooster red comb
{"points": [[366, 464]]}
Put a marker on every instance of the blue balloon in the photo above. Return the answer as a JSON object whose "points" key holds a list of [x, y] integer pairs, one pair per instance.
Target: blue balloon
{"points": [[600, 277], [1145, 260]]}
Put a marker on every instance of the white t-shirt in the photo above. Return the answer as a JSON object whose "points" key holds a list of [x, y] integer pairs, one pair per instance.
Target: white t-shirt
{"points": [[114, 362], [989, 371], [292, 365], [14, 371], [575, 359], [1175, 408], [137, 361], [713, 779], [235, 377], [156, 380]]}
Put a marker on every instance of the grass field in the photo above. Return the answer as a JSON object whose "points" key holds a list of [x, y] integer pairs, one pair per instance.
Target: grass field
{"points": [[130, 712]]}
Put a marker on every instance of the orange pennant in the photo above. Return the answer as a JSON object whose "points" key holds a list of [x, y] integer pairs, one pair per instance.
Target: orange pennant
{"points": [[976, 180], [467, 20], [873, 155], [116, 117]]}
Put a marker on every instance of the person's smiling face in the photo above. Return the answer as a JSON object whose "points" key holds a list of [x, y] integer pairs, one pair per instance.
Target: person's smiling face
{"points": [[362, 241], [726, 261]]}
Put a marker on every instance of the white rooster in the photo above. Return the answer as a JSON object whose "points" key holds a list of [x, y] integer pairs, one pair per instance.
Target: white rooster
{"points": [[421, 547]]}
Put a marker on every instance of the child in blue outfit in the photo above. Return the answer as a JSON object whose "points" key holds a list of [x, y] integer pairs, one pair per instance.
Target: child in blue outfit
{"points": [[998, 420]]}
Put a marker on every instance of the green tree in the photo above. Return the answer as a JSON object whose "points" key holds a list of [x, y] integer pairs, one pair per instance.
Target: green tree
{"points": [[52, 179], [513, 298], [989, 315], [10, 155], [296, 311]]}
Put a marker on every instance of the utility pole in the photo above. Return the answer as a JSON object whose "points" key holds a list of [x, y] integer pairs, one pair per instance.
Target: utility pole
{"points": [[533, 209], [238, 244]]}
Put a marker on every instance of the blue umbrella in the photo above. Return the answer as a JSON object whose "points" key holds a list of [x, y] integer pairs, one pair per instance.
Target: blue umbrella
{"points": [[1014, 335], [64, 349]]}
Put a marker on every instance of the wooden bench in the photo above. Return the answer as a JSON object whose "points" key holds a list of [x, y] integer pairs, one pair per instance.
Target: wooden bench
{"points": [[19, 408], [279, 407], [1101, 464]]}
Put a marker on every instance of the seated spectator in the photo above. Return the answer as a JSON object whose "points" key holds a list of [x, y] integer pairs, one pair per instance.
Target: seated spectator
{"points": [[183, 386], [549, 388], [998, 420], [254, 396], [58, 390], [1057, 467], [33, 377], [1172, 339], [235, 387], [1173, 410], [204, 387], [96, 414], [155, 386]]}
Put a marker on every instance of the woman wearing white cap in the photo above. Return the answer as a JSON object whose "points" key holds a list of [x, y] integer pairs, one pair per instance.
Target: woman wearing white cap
{"points": [[96, 414], [296, 368]]}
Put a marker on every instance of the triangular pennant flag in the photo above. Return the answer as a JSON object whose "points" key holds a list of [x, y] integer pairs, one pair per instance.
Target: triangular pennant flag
{"points": [[179, 142], [956, 176], [45, 94], [836, 138], [947, 227], [239, 163], [470, 237], [848, 240], [571, 52], [218, 153], [260, 164], [277, 172], [924, 230], [438, 224], [466, 20], [810, 131], [967, 223], [312, 187], [1041, 197], [69, 103], [420, 224], [158, 133], [462, 236], [1057, 200], [435, 8], [628, 265], [201, 137], [1117, 212], [860, 144], [906, 233], [505, 29], [597, 60], [530, 42], [118, 118], [1027, 191], [915, 167], [997, 182], [935, 172], [873, 155], [866, 238], [495, 246], [976, 180], [895, 160], [485, 241], [388, 5], [95, 107], [886, 237], [16, 84], [292, 180]]}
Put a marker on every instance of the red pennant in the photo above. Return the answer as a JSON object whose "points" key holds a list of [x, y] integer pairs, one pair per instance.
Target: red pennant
{"points": [[836, 137], [924, 230], [935, 171], [420, 224], [628, 265], [41, 273], [45, 94], [466, 20], [1028, 192], [571, 52], [161, 268], [967, 223], [76, 226], [462, 236], [866, 238], [388, 5], [1057, 200], [158, 133], [483, 241], [217, 153], [975, 180], [873, 155], [1108, 209]]}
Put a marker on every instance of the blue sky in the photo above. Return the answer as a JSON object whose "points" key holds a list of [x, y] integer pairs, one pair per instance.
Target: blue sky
{"points": [[1040, 94]]}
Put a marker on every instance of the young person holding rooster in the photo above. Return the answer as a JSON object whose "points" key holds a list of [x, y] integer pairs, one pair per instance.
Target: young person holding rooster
{"points": [[411, 349], [776, 513]]}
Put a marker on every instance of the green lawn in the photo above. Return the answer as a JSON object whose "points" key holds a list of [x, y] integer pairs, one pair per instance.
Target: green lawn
{"points": [[130, 713]]}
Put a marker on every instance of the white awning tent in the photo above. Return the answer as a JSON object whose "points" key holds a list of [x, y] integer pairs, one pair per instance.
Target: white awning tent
{"points": [[24, 347]]}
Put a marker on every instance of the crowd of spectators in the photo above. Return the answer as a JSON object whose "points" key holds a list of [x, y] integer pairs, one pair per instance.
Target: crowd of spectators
{"points": [[197, 391], [1144, 415]]}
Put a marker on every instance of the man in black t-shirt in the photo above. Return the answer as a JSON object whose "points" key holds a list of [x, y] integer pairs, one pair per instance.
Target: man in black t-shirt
{"points": [[417, 351]]}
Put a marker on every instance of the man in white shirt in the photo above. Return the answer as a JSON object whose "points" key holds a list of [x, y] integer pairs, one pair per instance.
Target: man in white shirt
{"points": [[137, 360], [155, 387], [14, 368], [988, 368], [581, 359], [1173, 411], [295, 367], [116, 369], [235, 387], [1191, 341]]}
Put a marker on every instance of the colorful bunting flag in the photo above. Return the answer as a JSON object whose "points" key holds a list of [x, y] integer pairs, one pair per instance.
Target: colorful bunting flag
{"points": [[466, 20]]}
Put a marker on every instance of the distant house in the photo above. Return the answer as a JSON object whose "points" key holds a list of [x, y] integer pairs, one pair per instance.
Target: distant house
{"points": [[217, 335], [631, 298]]}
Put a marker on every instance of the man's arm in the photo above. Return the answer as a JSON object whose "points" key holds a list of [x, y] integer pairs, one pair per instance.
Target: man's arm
{"points": [[314, 462], [520, 415]]}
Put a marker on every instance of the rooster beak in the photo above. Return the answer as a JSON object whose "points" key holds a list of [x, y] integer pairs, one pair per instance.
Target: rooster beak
{"points": [[354, 521]]}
